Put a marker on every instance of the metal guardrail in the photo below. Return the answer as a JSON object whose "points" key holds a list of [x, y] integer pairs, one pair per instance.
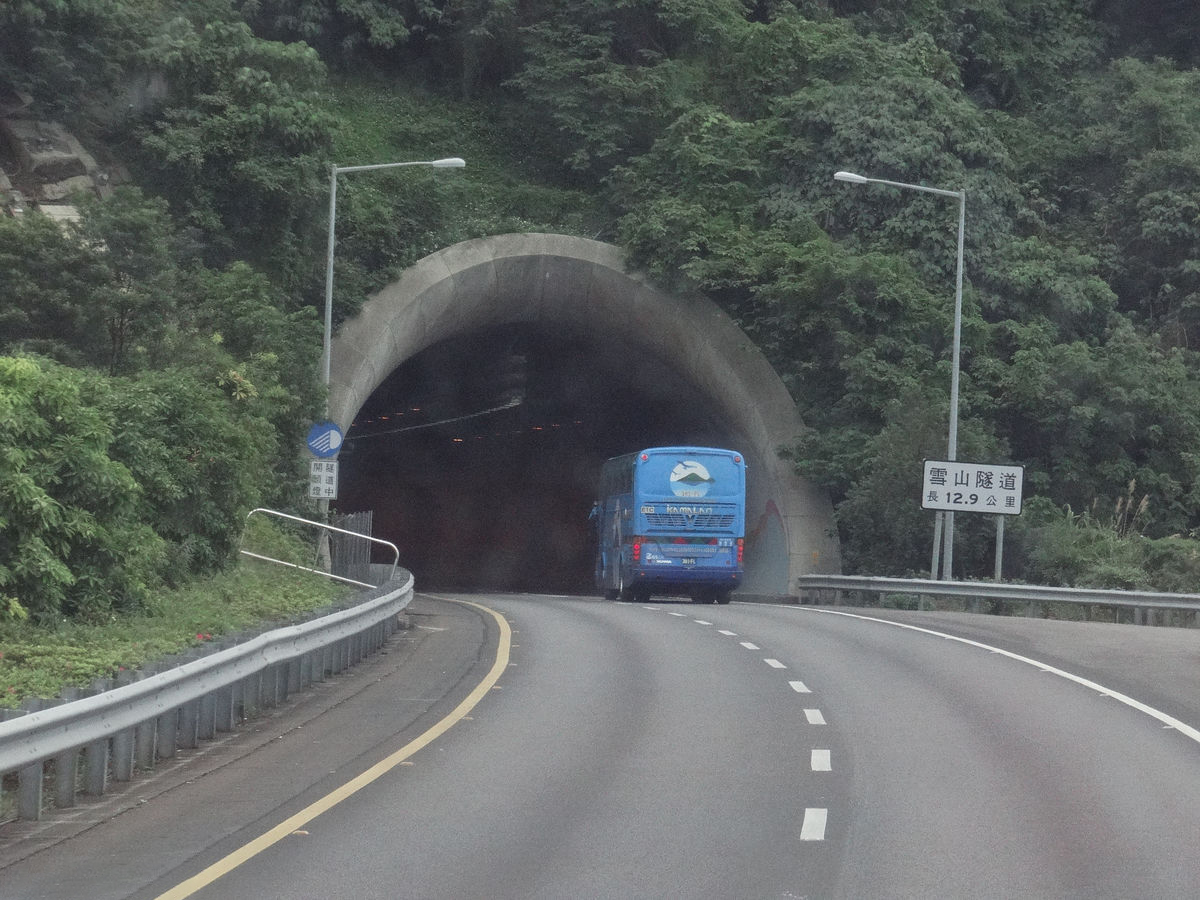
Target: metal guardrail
{"points": [[1144, 603], [129, 726], [327, 529]]}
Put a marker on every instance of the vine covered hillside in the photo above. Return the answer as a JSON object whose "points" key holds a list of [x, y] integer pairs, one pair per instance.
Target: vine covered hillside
{"points": [[174, 326]]}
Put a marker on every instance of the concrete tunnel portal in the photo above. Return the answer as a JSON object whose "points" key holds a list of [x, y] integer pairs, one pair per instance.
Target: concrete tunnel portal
{"points": [[482, 390]]}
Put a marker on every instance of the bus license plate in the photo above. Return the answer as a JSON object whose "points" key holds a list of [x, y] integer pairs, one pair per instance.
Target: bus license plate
{"points": [[689, 560]]}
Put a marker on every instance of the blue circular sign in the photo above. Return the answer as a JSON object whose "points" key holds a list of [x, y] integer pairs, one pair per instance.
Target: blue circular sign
{"points": [[324, 439]]}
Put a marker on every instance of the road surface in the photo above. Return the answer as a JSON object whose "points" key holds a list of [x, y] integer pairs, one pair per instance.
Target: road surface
{"points": [[515, 746]]}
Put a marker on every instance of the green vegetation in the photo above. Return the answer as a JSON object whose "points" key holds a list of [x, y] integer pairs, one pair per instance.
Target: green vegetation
{"points": [[160, 358], [36, 661]]}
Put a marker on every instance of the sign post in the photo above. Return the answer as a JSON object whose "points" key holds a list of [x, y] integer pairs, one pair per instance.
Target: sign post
{"points": [[974, 487], [324, 441]]}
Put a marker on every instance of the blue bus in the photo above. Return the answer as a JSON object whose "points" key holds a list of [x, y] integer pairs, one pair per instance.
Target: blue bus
{"points": [[671, 520]]}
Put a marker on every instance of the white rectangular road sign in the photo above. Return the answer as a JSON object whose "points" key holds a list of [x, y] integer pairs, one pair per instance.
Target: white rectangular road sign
{"points": [[322, 479], [972, 487]]}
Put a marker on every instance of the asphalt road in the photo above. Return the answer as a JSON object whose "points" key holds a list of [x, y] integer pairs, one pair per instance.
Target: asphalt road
{"points": [[672, 750]]}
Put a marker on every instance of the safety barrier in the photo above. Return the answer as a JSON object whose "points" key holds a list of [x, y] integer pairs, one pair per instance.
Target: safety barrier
{"points": [[77, 743], [1149, 607]]}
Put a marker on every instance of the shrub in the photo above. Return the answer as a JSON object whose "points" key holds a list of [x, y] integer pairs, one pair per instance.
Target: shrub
{"points": [[74, 543]]}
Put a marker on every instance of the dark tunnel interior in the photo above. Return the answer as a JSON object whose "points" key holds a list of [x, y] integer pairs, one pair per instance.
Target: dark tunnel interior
{"points": [[479, 456]]}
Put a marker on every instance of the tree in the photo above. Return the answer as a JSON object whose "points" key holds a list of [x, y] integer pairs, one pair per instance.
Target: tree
{"points": [[67, 54], [198, 450], [50, 278], [96, 293], [133, 238], [1087, 420], [75, 544], [241, 146]]}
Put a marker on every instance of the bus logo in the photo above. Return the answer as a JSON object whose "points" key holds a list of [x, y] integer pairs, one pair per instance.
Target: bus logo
{"points": [[690, 479]]}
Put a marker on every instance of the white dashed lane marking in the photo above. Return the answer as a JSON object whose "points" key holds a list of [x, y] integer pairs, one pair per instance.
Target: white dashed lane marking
{"points": [[813, 828], [815, 818]]}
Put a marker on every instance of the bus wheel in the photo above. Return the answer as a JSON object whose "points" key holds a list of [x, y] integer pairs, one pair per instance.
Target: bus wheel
{"points": [[611, 594], [722, 597]]}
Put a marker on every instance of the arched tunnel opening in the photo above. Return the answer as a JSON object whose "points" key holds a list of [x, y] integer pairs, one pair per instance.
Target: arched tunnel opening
{"points": [[479, 456]]}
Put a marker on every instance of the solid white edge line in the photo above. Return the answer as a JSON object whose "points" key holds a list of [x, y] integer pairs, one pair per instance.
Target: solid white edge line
{"points": [[813, 828], [1167, 720]]}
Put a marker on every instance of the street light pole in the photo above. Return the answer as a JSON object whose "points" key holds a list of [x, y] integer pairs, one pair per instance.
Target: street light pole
{"points": [[452, 162], [952, 431]]}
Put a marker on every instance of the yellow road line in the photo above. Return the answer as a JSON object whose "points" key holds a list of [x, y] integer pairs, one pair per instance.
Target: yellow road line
{"points": [[299, 820]]}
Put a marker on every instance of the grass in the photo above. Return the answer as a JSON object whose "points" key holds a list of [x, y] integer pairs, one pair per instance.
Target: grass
{"points": [[37, 661]]}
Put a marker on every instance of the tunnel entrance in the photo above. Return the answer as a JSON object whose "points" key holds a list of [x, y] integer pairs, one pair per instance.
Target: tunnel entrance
{"points": [[520, 362], [479, 456]]}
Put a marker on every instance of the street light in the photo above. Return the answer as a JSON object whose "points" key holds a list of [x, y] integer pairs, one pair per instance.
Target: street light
{"points": [[452, 162], [952, 436]]}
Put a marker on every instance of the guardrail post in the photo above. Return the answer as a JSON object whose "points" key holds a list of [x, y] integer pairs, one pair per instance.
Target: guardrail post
{"points": [[66, 764], [188, 736], [145, 737], [225, 708], [166, 732], [320, 663], [95, 754], [29, 779], [95, 758], [122, 755], [293, 675], [29, 792], [122, 741], [273, 686], [206, 725]]}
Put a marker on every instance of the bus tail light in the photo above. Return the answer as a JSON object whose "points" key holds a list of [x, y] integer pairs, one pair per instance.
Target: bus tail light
{"points": [[741, 546], [637, 549]]}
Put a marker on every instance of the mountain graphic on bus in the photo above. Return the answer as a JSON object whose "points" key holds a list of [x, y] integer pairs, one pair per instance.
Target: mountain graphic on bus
{"points": [[690, 479]]}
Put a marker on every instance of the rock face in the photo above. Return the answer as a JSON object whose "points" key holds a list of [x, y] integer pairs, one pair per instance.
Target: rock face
{"points": [[47, 150], [46, 165]]}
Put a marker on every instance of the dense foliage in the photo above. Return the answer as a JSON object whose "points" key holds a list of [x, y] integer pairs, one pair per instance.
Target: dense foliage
{"points": [[702, 135]]}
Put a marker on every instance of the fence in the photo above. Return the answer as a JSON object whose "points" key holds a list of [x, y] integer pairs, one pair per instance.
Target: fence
{"points": [[78, 743], [350, 555]]}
